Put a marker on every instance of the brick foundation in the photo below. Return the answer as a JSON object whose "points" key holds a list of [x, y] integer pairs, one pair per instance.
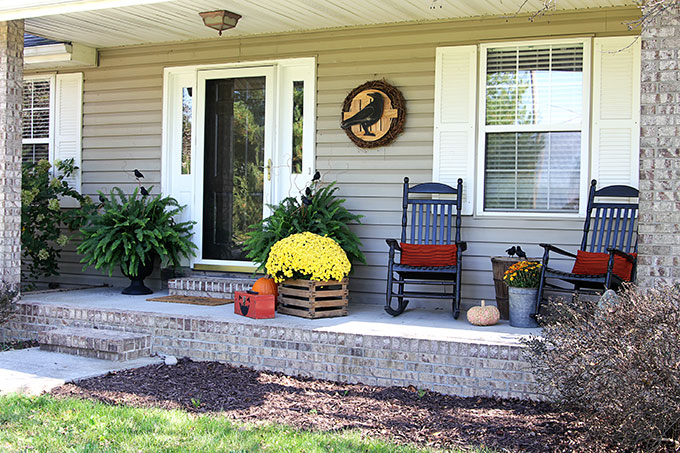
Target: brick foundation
{"points": [[450, 367]]}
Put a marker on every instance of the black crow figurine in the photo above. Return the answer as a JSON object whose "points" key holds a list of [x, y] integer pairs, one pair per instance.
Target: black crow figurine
{"points": [[138, 174], [144, 192], [308, 192], [511, 251], [317, 176], [520, 253], [367, 116]]}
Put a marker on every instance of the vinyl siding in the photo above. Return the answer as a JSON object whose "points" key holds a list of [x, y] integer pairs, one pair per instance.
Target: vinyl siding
{"points": [[122, 126]]}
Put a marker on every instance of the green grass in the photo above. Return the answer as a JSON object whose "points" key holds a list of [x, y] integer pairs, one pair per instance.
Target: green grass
{"points": [[54, 425]]}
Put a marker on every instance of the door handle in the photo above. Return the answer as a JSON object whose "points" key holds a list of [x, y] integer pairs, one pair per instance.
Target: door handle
{"points": [[269, 169]]}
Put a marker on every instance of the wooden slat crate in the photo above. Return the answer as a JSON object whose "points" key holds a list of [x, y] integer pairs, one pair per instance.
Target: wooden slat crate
{"points": [[310, 299]]}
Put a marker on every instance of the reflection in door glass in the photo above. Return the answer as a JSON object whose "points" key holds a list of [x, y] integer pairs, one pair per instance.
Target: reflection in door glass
{"points": [[187, 109], [234, 164], [298, 120]]}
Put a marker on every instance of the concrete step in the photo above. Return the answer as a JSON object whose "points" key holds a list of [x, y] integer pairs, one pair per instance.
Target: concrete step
{"points": [[96, 343], [219, 287]]}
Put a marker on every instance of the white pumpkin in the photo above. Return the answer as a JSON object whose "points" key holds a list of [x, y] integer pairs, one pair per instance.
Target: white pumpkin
{"points": [[484, 315]]}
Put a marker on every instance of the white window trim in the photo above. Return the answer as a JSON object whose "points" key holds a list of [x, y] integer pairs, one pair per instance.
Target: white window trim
{"points": [[50, 140], [482, 129]]}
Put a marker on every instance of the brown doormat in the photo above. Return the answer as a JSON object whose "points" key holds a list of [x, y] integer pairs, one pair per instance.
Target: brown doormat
{"points": [[194, 300]]}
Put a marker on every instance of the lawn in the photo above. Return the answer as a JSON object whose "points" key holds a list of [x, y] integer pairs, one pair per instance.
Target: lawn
{"points": [[49, 424]]}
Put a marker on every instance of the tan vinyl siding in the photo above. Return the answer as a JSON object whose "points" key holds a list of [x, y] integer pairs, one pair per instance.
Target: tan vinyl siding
{"points": [[122, 124]]}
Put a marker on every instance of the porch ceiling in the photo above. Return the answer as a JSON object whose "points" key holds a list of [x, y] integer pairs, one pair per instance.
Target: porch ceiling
{"points": [[107, 26]]}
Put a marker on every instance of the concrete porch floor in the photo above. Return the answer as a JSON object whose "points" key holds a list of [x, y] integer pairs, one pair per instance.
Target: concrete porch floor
{"points": [[363, 319]]}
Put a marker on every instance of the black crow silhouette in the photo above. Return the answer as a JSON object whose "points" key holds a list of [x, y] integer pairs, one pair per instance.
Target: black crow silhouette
{"points": [[308, 192], [144, 191], [367, 116], [520, 253], [317, 176], [511, 251], [138, 174]]}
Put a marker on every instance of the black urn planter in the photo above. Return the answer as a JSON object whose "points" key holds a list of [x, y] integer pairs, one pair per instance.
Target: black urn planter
{"points": [[137, 287]]}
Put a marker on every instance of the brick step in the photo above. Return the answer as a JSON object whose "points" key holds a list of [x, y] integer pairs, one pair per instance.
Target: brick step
{"points": [[96, 343], [219, 287]]}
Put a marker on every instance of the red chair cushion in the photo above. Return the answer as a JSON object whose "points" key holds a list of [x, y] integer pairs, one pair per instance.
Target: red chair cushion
{"points": [[428, 254], [591, 263]]}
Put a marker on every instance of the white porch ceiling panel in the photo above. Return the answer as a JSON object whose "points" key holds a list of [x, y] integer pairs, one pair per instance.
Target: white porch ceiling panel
{"points": [[179, 21]]}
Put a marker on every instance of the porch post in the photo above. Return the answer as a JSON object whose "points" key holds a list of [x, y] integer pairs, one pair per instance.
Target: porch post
{"points": [[659, 223], [11, 103]]}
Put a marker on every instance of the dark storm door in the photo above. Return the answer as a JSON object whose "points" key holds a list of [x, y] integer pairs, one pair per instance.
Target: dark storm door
{"points": [[236, 163]]}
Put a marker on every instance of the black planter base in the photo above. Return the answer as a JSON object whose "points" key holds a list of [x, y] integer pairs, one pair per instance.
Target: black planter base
{"points": [[137, 288]]}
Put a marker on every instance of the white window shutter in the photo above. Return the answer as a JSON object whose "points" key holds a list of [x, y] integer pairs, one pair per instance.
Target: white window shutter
{"points": [[68, 120], [616, 111], [455, 119]]}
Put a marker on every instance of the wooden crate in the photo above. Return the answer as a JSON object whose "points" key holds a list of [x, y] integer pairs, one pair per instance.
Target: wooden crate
{"points": [[310, 299]]}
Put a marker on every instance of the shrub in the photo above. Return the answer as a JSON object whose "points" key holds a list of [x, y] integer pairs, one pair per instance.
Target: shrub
{"points": [[8, 297], [617, 363], [319, 212], [43, 220], [131, 229], [307, 256]]}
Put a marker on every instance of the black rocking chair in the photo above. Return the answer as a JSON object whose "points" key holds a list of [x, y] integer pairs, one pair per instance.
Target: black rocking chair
{"points": [[614, 235], [437, 263]]}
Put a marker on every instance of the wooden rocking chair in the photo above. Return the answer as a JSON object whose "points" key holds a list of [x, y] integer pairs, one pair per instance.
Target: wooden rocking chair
{"points": [[608, 254], [432, 253]]}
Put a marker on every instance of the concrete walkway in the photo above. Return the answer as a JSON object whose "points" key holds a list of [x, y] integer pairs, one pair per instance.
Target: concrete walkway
{"points": [[32, 371]]}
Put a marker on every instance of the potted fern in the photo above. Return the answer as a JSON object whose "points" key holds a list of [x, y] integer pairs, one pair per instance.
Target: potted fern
{"points": [[318, 211], [133, 231]]}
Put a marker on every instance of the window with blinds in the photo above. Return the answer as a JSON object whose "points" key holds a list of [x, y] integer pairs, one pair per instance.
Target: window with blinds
{"points": [[36, 120], [533, 128]]}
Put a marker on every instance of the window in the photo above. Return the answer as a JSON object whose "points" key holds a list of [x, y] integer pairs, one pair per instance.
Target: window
{"points": [[36, 120], [52, 120], [533, 127]]}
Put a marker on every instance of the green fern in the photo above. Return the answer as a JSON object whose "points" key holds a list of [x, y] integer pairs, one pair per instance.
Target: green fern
{"points": [[128, 230], [325, 216]]}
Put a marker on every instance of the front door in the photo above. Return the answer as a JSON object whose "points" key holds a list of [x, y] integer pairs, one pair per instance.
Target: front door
{"points": [[234, 164], [236, 141]]}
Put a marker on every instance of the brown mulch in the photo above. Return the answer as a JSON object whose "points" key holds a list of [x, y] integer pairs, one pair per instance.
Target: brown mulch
{"points": [[18, 344], [403, 415]]}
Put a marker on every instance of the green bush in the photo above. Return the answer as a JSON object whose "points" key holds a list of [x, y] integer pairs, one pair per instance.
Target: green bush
{"points": [[131, 229], [319, 212], [8, 297], [617, 364], [43, 220]]}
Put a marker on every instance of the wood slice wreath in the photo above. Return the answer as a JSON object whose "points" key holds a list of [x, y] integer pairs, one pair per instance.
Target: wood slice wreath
{"points": [[373, 114]]}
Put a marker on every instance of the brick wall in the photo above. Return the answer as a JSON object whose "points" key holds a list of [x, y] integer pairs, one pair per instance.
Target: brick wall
{"points": [[659, 227], [450, 367], [11, 84]]}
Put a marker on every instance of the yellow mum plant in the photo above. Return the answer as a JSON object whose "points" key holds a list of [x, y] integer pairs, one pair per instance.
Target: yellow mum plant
{"points": [[307, 256], [523, 274]]}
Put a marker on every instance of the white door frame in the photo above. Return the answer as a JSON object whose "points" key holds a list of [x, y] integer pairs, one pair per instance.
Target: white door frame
{"points": [[188, 189]]}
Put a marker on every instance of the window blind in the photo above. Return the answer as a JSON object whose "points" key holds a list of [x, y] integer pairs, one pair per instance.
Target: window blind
{"points": [[36, 114]]}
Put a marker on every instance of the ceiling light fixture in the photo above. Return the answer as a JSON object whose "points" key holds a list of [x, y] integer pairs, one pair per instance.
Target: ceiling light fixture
{"points": [[220, 20]]}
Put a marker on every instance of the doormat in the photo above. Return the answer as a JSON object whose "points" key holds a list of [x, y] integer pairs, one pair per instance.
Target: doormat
{"points": [[194, 300]]}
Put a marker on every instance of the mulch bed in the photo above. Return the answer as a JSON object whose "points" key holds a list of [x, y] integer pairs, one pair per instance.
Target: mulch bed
{"points": [[18, 344], [403, 415]]}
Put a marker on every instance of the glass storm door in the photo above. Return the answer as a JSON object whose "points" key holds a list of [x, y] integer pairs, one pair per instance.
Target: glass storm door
{"points": [[236, 140], [236, 161]]}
